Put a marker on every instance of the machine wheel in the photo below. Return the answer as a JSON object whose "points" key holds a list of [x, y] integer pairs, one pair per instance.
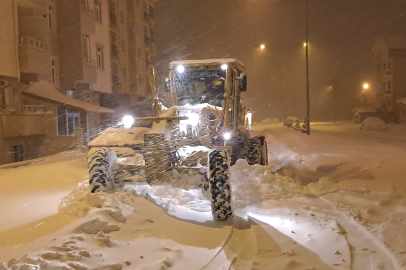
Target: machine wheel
{"points": [[256, 151], [219, 184], [101, 163], [238, 147]]}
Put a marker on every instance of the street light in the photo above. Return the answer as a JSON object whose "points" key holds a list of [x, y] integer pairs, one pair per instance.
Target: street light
{"points": [[366, 86], [262, 46], [305, 44]]}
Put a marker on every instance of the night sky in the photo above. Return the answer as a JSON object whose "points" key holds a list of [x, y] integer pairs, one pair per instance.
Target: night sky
{"points": [[341, 36]]}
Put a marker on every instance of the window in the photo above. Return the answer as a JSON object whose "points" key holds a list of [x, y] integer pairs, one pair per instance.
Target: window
{"points": [[122, 45], [100, 57], [121, 17], [50, 16], [112, 14], [138, 3], [379, 68], [114, 75], [389, 65], [139, 53], [140, 79], [132, 60], [113, 44], [138, 28], [17, 153], [146, 31], [389, 85], [84, 4], [98, 10], [384, 67], [384, 86], [67, 121], [124, 72], [151, 11], [53, 71], [69, 93]]}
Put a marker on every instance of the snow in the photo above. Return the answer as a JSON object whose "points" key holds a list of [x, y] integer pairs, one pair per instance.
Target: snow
{"points": [[46, 90], [373, 123], [205, 61], [401, 100], [332, 200], [120, 137], [364, 109]]}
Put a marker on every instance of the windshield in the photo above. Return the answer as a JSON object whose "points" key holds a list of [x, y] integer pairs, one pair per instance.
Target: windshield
{"points": [[202, 86]]}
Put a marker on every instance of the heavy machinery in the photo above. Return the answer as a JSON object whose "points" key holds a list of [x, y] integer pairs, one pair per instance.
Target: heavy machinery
{"points": [[203, 130]]}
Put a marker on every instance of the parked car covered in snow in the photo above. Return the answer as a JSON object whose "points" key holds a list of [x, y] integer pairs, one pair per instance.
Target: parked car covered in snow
{"points": [[373, 123]]}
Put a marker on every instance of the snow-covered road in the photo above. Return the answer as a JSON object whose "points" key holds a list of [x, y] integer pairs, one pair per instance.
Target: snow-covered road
{"points": [[332, 200]]}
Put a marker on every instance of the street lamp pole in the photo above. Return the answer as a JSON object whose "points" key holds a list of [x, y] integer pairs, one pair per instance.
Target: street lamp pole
{"points": [[335, 100], [307, 73]]}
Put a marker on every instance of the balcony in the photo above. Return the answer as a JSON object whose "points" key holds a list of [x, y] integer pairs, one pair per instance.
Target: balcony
{"points": [[113, 20], [87, 20], [115, 80], [31, 120], [89, 70], [32, 109], [27, 41], [149, 42], [114, 50], [88, 61], [147, 17]]}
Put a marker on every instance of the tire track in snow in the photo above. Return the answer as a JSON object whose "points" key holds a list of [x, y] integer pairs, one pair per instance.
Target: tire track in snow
{"points": [[359, 227]]}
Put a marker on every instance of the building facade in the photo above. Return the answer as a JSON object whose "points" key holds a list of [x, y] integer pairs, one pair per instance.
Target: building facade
{"points": [[55, 62], [132, 43], [390, 60]]}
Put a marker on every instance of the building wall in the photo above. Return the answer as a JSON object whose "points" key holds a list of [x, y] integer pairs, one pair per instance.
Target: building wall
{"points": [[9, 40], [399, 71]]}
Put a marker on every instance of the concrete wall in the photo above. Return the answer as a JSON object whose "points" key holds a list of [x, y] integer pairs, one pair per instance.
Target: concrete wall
{"points": [[399, 71], [70, 45], [9, 40], [102, 38]]}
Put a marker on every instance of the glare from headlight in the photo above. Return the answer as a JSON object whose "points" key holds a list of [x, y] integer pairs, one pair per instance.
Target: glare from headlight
{"points": [[224, 66], [227, 136], [128, 121], [180, 69], [193, 119]]}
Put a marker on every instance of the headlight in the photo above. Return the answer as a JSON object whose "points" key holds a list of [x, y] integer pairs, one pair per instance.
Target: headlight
{"points": [[180, 69], [227, 136], [224, 66], [193, 119], [128, 121]]}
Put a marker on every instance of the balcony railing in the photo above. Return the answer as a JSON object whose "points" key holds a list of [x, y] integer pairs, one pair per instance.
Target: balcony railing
{"points": [[32, 109], [88, 61], [33, 43]]}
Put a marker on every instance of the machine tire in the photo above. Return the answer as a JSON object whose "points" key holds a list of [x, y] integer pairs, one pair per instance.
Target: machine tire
{"points": [[256, 151], [238, 147], [219, 184], [101, 163]]}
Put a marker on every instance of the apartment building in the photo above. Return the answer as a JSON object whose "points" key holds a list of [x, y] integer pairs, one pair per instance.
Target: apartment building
{"points": [[390, 60], [54, 64], [133, 49]]}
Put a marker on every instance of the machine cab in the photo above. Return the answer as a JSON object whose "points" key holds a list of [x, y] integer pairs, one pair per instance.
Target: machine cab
{"points": [[205, 81]]}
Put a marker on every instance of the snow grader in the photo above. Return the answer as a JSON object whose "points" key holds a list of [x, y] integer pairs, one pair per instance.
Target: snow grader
{"points": [[205, 130]]}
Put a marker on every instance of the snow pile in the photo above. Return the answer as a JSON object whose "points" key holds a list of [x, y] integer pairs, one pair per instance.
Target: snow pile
{"points": [[120, 137], [269, 121], [373, 123], [180, 189]]}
